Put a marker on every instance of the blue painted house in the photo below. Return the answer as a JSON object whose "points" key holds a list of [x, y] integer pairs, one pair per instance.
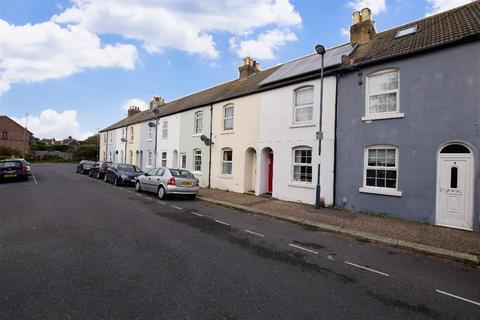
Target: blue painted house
{"points": [[408, 119]]}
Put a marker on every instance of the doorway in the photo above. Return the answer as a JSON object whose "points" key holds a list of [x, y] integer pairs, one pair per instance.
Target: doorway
{"points": [[455, 187], [250, 170]]}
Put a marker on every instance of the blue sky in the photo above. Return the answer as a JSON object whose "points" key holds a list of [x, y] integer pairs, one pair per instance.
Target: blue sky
{"points": [[74, 65]]}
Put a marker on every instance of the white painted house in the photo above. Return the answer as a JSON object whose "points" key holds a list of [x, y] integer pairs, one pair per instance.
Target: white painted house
{"points": [[168, 140]]}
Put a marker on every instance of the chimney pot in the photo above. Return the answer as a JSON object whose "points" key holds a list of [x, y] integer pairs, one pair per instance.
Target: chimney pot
{"points": [[363, 27], [356, 17], [366, 14], [248, 68]]}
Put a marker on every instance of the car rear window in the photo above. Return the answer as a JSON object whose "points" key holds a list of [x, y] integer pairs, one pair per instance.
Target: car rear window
{"points": [[129, 168], [181, 173], [7, 164]]}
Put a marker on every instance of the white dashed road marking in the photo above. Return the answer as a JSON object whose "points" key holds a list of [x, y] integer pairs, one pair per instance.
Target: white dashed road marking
{"points": [[457, 297], [221, 222], [161, 202], [368, 269], [254, 233], [196, 214], [34, 179], [178, 208], [302, 248]]}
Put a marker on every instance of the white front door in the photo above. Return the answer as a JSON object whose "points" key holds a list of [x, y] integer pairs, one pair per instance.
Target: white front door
{"points": [[455, 190]]}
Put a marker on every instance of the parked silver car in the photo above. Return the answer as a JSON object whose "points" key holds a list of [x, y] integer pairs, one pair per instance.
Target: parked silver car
{"points": [[168, 181]]}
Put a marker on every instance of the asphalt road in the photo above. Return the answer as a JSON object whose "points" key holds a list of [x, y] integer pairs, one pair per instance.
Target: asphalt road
{"points": [[73, 247]]}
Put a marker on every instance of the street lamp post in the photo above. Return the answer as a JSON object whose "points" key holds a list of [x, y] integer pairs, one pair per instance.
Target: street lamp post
{"points": [[155, 107], [320, 49]]}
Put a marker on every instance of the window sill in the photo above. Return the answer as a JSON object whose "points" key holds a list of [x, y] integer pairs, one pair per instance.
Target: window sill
{"points": [[197, 173], [225, 176], [381, 191], [303, 124], [149, 140], [301, 185], [228, 132], [393, 115], [197, 134]]}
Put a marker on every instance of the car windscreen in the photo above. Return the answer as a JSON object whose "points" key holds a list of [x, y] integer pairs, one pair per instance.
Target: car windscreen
{"points": [[9, 164], [129, 168], [181, 173], [89, 163]]}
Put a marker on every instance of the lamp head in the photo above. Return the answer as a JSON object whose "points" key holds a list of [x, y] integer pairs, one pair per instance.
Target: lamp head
{"points": [[320, 49]]}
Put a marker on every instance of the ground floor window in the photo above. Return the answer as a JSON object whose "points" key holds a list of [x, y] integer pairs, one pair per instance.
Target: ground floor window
{"points": [[381, 167], [197, 160], [227, 157], [164, 159], [302, 164], [183, 161]]}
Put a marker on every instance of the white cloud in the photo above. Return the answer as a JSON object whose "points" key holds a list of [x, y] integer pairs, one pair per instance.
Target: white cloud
{"points": [[344, 32], [438, 6], [135, 102], [52, 124], [187, 26], [377, 6], [36, 52], [264, 46]]}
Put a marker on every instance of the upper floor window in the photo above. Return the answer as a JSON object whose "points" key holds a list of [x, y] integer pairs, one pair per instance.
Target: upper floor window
{"points": [[105, 134], [111, 138], [4, 135], [131, 133], [123, 133], [383, 96], [131, 157], [381, 170], [199, 122], [302, 164], [165, 130], [228, 113], [303, 105], [149, 133], [227, 158], [197, 160]]}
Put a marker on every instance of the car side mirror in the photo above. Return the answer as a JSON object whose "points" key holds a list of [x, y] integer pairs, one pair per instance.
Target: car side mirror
{"points": [[146, 174]]}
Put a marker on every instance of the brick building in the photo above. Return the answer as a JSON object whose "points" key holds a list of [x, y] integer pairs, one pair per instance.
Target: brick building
{"points": [[13, 135]]}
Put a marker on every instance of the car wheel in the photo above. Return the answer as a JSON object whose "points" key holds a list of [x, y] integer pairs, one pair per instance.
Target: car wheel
{"points": [[161, 193], [138, 187], [115, 182], [98, 175], [105, 178], [192, 196], [90, 174]]}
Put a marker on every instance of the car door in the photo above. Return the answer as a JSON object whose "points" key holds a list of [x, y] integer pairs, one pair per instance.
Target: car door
{"points": [[157, 179], [146, 180]]}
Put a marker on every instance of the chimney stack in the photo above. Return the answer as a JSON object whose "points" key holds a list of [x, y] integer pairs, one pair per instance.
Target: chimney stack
{"points": [[363, 27], [248, 68], [133, 110]]}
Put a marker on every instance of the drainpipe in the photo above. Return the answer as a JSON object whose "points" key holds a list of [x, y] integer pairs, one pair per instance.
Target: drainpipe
{"points": [[335, 142], [126, 142], [156, 137], [210, 148]]}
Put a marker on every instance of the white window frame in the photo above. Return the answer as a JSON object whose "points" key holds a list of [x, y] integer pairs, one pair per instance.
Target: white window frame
{"points": [[380, 190], [223, 162], [132, 134], [183, 160], [301, 148], [382, 115], [165, 129], [194, 162], [230, 105], [110, 138], [198, 119], [149, 158], [149, 137], [295, 107], [131, 157], [164, 159]]}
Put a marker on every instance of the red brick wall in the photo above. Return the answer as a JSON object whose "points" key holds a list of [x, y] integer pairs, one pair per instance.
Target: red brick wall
{"points": [[15, 134]]}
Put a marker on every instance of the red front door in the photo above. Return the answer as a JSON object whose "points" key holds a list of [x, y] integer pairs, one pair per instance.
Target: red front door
{"points": [[270, 173]]}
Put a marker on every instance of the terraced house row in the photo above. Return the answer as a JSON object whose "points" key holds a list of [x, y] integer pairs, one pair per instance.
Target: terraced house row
{"points": [[398, 131]]}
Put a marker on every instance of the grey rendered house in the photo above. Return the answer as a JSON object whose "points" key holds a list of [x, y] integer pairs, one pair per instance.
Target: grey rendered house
{"points": [[408, 120]]}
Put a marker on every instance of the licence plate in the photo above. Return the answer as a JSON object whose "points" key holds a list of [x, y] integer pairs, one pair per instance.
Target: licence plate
{"points": [[186, 184], [132, 180], [10, 175]]}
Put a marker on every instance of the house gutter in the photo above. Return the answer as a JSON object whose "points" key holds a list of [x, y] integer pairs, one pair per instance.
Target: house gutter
{"points": [[210, 148]]}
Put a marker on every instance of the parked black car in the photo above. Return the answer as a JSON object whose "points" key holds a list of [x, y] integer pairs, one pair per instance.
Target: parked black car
{"points": [[122, 174], [84, 166], [99, 169], [13, 169]]}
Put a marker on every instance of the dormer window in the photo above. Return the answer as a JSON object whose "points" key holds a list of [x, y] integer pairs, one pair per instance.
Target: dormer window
{"points": [[406, 32]]}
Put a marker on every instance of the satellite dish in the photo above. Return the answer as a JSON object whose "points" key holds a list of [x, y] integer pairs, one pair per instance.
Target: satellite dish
{"points": [[346, 61], [203, 137], [152, 124], [156, 110], [123, 140]]}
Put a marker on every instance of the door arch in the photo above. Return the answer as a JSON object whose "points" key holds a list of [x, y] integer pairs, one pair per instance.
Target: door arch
{"points": [[175, 159], [250, 179], [455, 186]]}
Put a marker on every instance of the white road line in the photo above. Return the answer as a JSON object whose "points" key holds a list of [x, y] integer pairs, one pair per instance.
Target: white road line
{"points": [[178, 208], [221, 222], [161, 202], [454, 296], [196, 214], [254, 233], [34, 179], [302, 248], [368, 269]]}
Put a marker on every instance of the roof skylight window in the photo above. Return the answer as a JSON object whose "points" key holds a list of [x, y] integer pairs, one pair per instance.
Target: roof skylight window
{"points": [[406, 32]]}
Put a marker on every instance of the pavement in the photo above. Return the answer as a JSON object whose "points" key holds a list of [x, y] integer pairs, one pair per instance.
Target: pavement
{"points": [[73, 247], [427, 238]]}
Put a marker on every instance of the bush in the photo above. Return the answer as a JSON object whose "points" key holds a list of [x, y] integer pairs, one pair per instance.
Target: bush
{"points": [[86, 152], [8, 152]]}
